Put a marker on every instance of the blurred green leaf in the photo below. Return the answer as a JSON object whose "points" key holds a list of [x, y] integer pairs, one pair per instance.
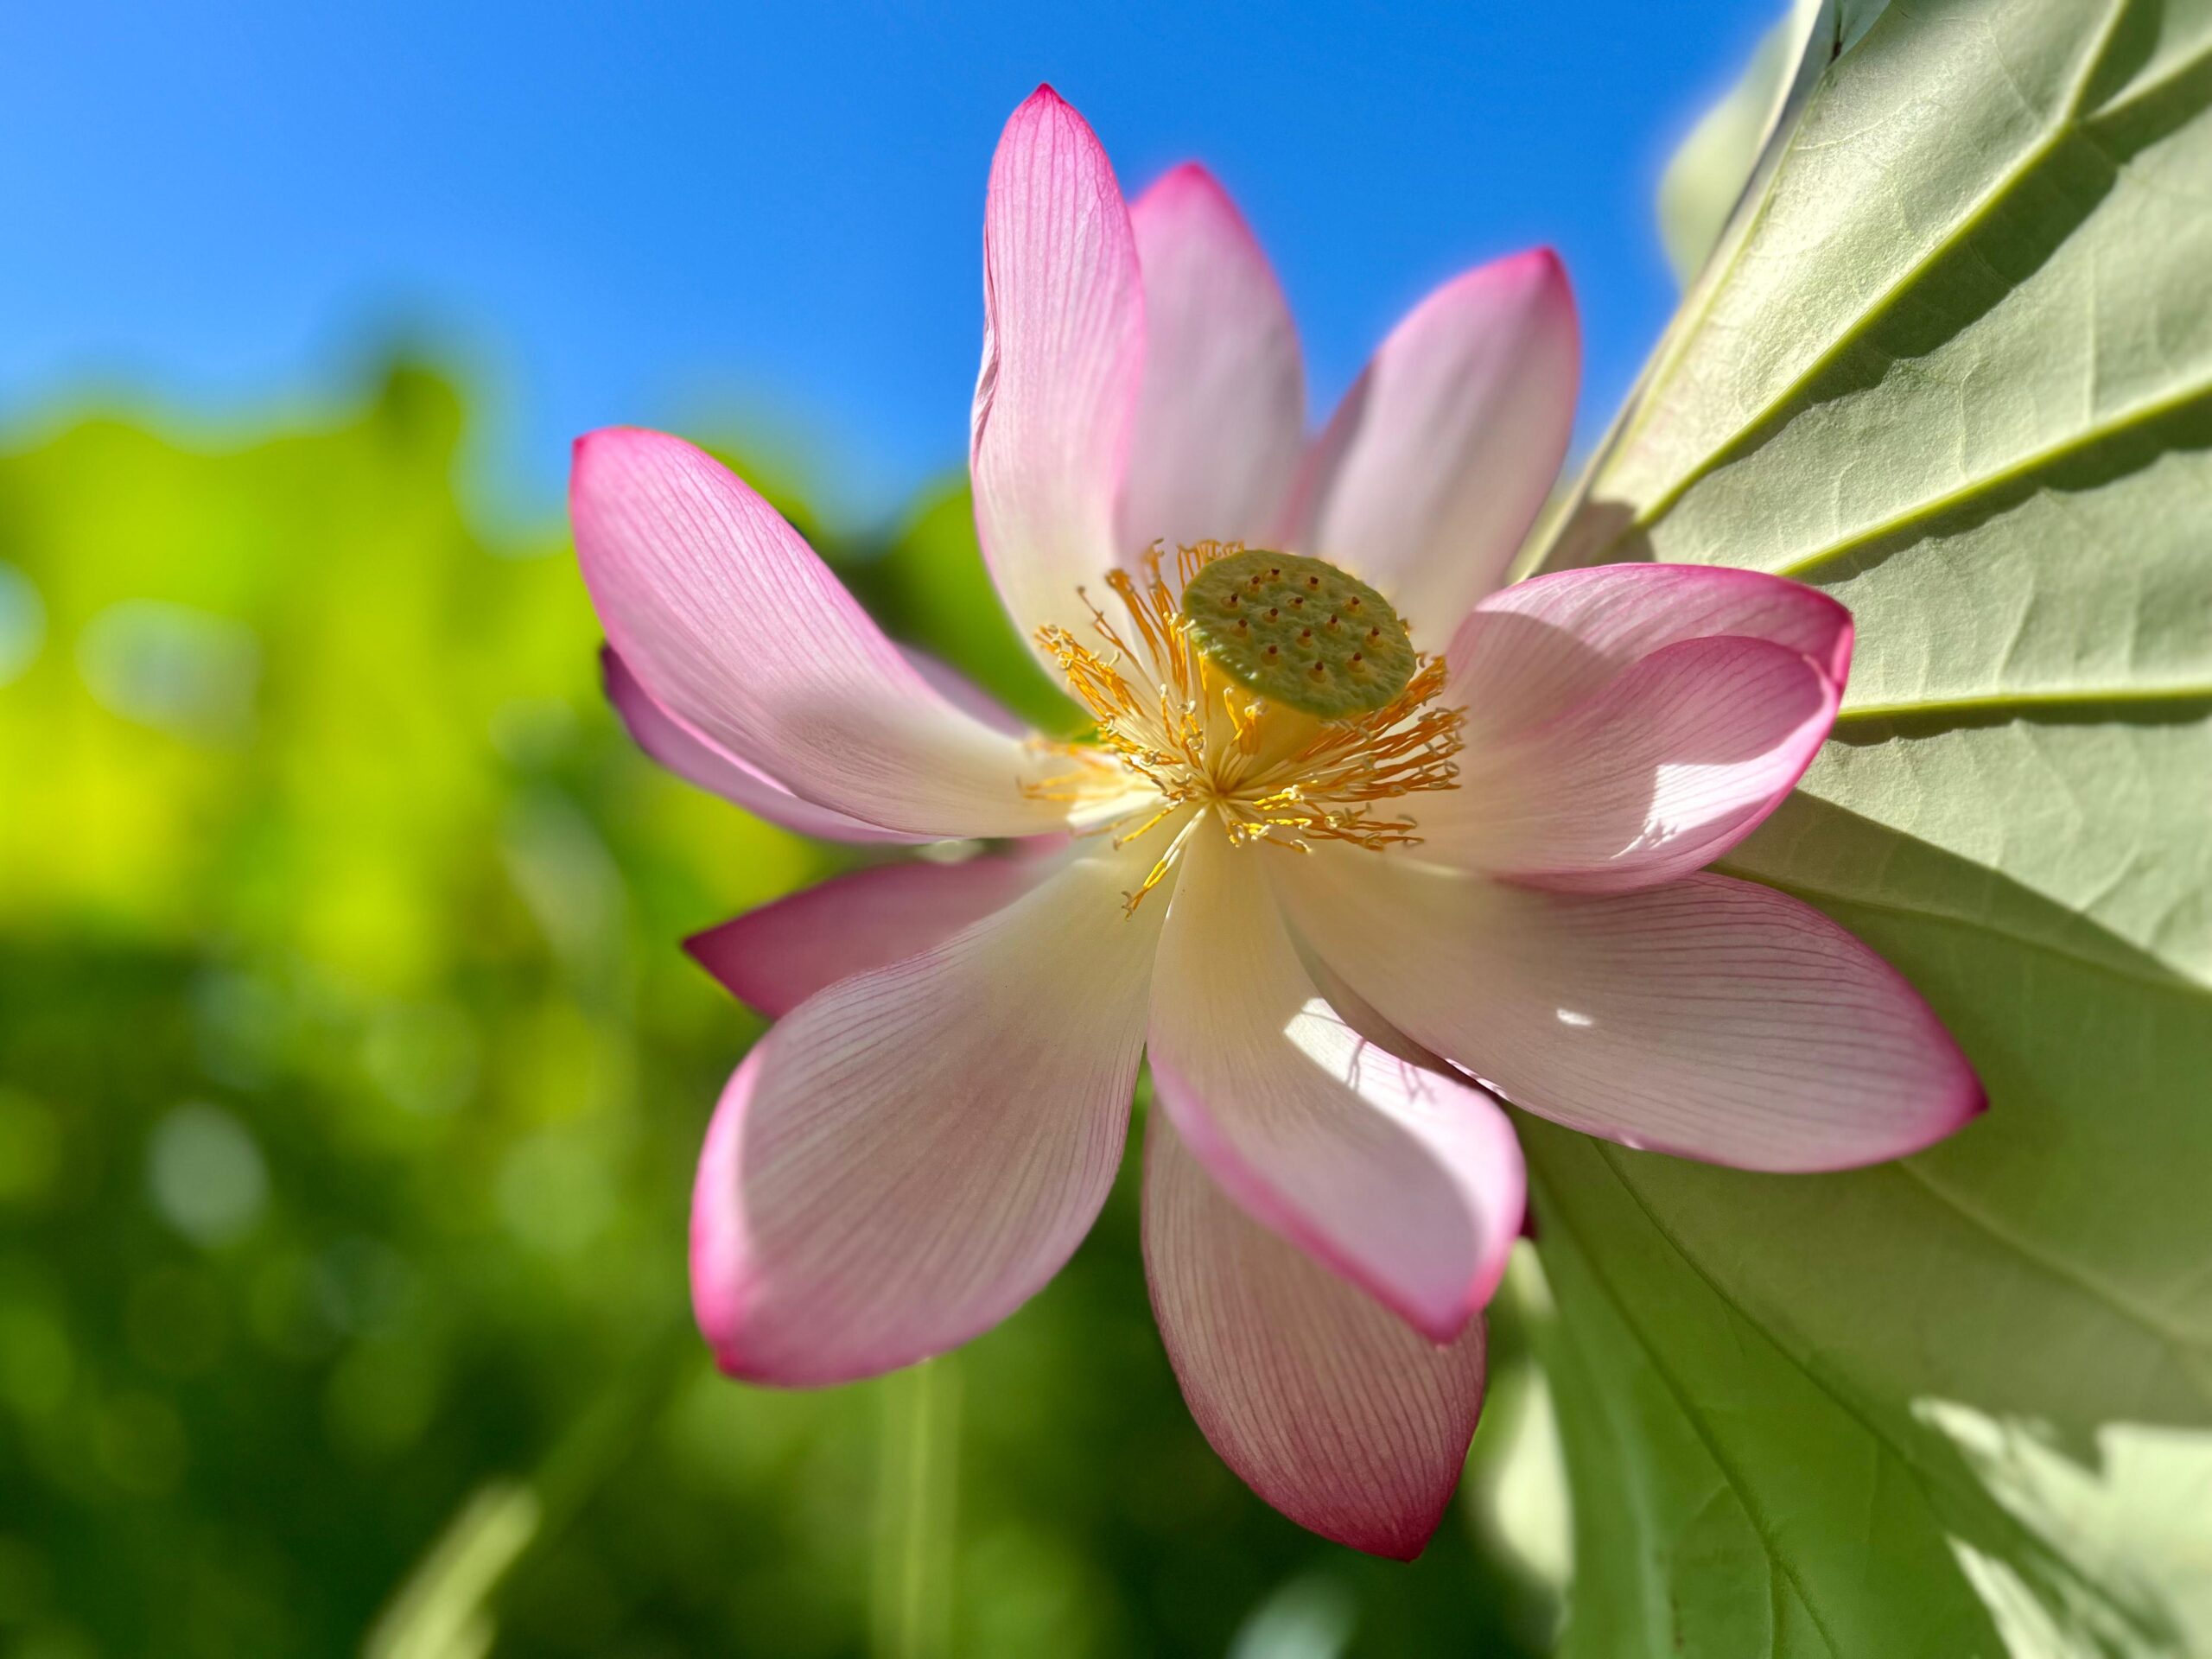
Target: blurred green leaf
{"points": [[1706, 174], [1956, 367]]}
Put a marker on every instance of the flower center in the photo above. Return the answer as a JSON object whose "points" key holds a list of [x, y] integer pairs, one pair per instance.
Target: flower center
{"points": [[1270, 693], [1299, 632]]}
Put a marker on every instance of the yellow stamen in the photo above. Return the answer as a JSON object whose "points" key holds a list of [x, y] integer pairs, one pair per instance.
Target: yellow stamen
{"points": [[1177, 738]]}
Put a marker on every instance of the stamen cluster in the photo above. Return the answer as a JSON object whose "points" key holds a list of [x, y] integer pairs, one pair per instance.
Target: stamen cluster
{"points": [[1177, 742]]}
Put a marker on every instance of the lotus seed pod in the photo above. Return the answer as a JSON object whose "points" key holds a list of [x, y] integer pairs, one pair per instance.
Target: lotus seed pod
{"points": [[1299, 632]]}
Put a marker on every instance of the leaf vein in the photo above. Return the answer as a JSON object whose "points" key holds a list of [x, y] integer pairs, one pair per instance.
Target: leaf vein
{"points": [[1881, 304], [2158, 1324], [2156, 978], [2076, 443], [1882, 1441], [2120, 699], [1761, 1527]]}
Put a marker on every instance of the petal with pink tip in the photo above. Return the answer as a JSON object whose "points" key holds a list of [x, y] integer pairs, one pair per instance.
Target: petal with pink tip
{"points": [[911, 1153], [1533, 650], [728, 618], [1222, 417], [696, 758], [1405, 1182], [1330, 1408], [1654, 775], [1063, 353], [1429, 476], [1712, 1018], [775, 958]]}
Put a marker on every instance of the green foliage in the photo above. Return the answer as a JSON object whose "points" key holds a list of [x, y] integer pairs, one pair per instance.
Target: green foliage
{"points": [[1952, 361], [350, 1082]]}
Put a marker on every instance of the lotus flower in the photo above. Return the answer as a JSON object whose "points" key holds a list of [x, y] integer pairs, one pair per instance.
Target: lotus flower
{"points": [[1348, 875]]}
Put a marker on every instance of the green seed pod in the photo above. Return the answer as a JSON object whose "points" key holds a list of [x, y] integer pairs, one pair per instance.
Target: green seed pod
{"points": [[1299, 632]]}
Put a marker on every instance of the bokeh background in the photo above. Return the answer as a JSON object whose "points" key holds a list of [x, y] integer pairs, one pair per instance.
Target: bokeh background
{"points": [[350, 1077]]}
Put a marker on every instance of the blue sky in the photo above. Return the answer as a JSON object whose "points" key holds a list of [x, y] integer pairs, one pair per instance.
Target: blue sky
{"points": [[679, 214]]}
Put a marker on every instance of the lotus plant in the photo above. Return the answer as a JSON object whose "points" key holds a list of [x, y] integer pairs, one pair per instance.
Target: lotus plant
{"points": [[1365, 842]]}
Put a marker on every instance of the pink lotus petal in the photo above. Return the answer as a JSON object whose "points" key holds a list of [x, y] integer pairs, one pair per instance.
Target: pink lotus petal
{"points": [[1711, 1017], [1432, 470], [775, 958], [1332, 1410], [1063, 352], [1532, 650], [1361, 1016], [963, 694], [696, 758], [1222, 419], [1654, 775], [1404, 1181], [911, 1153], [730, 622]]}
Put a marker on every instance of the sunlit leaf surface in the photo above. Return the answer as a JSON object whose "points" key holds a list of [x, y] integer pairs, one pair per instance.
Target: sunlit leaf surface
{"points": [[1953, 363]]}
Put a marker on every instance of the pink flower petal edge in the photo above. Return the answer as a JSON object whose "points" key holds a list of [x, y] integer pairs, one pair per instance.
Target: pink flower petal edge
{"points": [[911, 1153], [1429, 475], [1531, 652], [1329, 1406], [775, 958], [1648, 778], [1063, 356], [699, 760], [728, 621], [1221, 422], [1710, 1018], [1405, 1182]]}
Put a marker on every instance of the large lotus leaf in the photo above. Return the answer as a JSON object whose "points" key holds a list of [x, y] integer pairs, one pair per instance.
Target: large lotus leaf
{"points": [[1716, 168], [1951, 359], [1738, 1494]]}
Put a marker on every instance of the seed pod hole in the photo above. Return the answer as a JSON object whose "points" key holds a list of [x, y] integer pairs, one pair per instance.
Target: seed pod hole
{"points": [[1246, 613]]}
